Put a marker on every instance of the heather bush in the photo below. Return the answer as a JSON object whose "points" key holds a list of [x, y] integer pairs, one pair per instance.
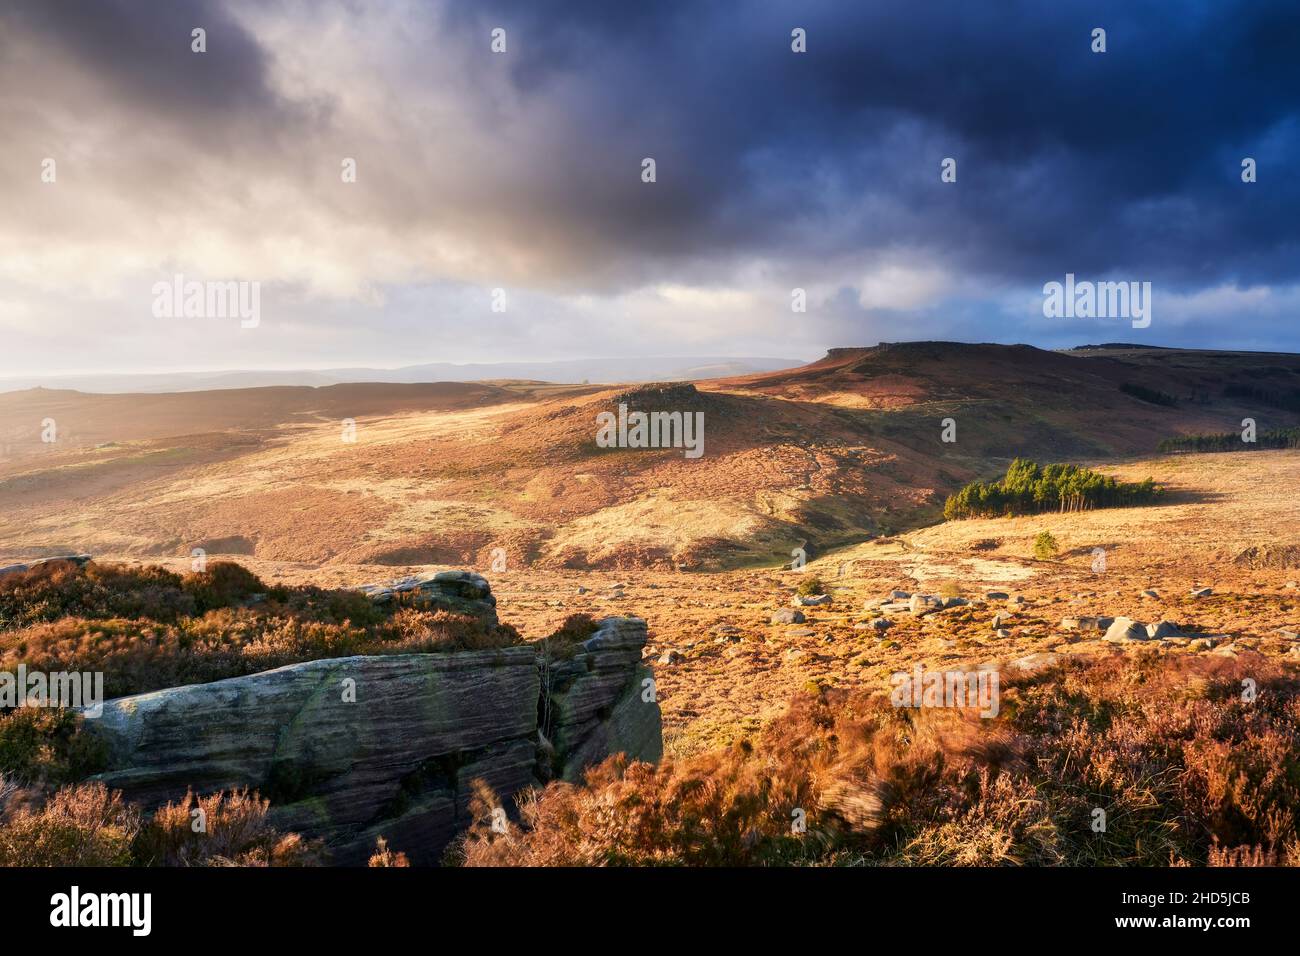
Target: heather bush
{"points": [[85, 825], [221, 584], [219, 830], [565, 640], [61, 588], [811, 585], [147, 629], [47, 747], [90, 825], [1186, 771], [384, 857]]}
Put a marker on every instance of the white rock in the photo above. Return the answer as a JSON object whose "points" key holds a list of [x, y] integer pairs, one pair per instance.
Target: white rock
{"points": [[1125, 629]]}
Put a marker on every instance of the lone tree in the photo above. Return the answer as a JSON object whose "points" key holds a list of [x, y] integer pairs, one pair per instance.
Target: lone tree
{"points": [[1045, 546]]}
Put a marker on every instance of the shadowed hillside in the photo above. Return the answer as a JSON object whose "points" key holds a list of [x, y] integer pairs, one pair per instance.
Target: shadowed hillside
{"points": [[843, 449]]}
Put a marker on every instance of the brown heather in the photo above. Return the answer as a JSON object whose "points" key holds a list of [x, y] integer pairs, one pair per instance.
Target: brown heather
{"points": [[1187, 772], [89, 825], [146, 628], [79, 826], [384, 857], [236, 834]]}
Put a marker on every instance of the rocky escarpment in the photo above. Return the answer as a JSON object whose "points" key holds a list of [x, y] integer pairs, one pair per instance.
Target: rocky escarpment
{"points": [[600, 700], [352, 748]]}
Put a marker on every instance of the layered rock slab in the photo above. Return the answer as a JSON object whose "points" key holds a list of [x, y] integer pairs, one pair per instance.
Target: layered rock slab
{"points": [[350, 749], [344, 748]]}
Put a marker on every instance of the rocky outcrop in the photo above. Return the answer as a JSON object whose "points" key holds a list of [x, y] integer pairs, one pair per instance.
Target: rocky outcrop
{"points": [[591, 709], [340, 747], [353, 748], [461, 592], [77, 559], [1125, 629]]}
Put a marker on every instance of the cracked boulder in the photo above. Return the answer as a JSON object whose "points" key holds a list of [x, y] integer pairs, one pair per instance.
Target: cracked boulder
{"points": [[600, 701]]}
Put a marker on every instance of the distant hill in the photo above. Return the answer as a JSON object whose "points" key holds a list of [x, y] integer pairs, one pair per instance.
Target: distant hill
{"points": [[606, 370], [822, 454]]}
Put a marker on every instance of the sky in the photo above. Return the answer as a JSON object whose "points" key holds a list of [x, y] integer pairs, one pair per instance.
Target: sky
{"points": [[523, 171]]}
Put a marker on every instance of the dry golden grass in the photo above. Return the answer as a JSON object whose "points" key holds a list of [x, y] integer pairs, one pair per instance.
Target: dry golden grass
{"points": [[727, 687]]}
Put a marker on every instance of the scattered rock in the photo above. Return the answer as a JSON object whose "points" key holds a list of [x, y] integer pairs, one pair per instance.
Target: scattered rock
{"points": [[1202, 592], [1151, 594], [1162, 629], [811, 600], [788, 616], [996, 595], [1035, 662], [1070, 623], [1002, 632], [670, 657], [900, 596], [1125, 629], [1095, 623], [924, 604]]}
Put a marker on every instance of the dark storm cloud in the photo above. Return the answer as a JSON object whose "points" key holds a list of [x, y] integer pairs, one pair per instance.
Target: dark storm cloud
{"points": [[1127, 160], [140, 51], [775, 170], [1068, 160]]}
